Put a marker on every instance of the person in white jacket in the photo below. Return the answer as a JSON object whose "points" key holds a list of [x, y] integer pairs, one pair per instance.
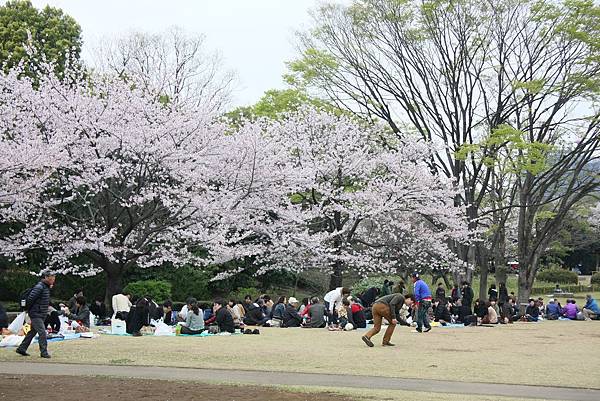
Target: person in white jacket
{"points": [[333, 300], [121, 303]]}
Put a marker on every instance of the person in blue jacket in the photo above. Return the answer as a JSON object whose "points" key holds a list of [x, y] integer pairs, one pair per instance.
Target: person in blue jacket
{"points": [[552, 310], [423, 301], [591, 307]]}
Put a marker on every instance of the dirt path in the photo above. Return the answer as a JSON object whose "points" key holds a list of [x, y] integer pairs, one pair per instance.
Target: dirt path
{"points": [[299, 379], [109, 389]]}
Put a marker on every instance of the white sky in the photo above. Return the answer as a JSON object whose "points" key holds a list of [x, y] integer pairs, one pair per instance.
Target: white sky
{"points": [[255, 37]]}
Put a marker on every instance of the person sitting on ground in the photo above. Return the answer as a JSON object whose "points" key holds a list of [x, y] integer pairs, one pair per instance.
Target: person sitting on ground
{"points": [[182, 314], [53, 318], [456, 311], [194, 322], [441, 312], [455, 294], [155, 311], [303, 305], [570, 310], [81, 314], [358, 315], [278, 309], [369, 296], [208, 314], [138, 316], [98, 308], [591, 308], [168, 313], [224, 318], [268, 305], [247, 303], [255, 316], [440, 292], [73, 301], [491, 317], [342, 314], [333, 300], [540, 304], [316, 314], [552, 310], [532, 312], [480, 309], [121, 303], [291, 318], [238, 313]]}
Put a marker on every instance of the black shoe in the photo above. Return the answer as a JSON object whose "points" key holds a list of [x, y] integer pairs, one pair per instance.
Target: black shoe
{"points": [[419, 330], [388, 344], [256, 331], [45, 356], [427, 329], [247, 331], [368, 341], [22, 353]]}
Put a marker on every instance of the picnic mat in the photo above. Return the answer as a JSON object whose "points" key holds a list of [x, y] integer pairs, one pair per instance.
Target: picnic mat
{"points": [[15, 341]]}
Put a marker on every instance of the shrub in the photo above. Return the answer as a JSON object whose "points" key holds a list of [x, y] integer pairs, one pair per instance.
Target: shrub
{"points": [[159, 290], [596, 278], [560, 276]]}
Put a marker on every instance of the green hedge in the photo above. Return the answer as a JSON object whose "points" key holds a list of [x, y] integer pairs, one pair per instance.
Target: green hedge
{"points": [[157, 289], [559, 276], [546, 290], [596, 278]]}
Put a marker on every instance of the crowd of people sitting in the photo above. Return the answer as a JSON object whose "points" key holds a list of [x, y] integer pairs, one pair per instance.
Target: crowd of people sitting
{"points": [[338, 310]]}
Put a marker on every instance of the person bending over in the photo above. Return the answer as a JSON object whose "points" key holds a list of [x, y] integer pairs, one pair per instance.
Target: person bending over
{"points": [[358, 315], [387, 307]]}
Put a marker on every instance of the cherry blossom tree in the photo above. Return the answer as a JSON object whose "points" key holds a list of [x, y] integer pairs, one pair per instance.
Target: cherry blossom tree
{"points": [[113, 179], [354, 199]]}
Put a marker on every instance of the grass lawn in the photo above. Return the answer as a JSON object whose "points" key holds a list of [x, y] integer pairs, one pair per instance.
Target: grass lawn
{"points": [[547, 353]]}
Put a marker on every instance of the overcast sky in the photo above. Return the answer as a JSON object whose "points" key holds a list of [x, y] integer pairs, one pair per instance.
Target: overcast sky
{"points": [[255, 37]]}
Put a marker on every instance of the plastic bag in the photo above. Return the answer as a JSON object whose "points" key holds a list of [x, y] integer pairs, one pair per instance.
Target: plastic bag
{"points": [[17, 324], [11, 341], [163, 329]]}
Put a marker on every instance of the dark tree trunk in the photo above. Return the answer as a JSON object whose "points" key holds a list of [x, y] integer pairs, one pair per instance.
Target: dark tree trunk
{"points": [[335, 280], [114, 283]]}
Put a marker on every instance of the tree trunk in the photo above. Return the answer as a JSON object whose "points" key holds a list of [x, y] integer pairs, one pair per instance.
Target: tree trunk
{"points": [[335, 279], [114, 282], [483, 280], [501, 274]]}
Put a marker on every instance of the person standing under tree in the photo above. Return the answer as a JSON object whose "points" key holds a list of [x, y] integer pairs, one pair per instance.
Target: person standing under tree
{"points": [[387, 307], [423, 300], [37, 304]]}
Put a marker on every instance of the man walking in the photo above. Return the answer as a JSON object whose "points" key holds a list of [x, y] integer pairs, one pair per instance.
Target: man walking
{"points": [[37, 308], [387, 307], [423, 300]]}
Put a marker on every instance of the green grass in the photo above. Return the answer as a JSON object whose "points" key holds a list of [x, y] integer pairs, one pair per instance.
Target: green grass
{"points": [[547, 353]]}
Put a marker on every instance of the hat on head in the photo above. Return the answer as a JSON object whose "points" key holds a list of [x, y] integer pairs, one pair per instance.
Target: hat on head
{"points": [[415, 274], [293, 300]]}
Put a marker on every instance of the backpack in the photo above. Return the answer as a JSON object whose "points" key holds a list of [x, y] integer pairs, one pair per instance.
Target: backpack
{"points": [[23, 299]]}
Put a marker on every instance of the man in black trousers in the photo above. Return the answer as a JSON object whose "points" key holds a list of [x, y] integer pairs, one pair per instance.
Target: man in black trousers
{"points": [[37, 308]]}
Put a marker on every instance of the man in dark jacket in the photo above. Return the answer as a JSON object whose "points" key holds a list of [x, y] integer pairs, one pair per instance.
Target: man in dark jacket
{"points": [[467, 296], [291, 318], [223, 317], [316, 313], [440, 292], [37, 307]]}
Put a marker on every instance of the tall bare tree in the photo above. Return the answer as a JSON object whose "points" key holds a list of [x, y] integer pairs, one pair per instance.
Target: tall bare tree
{"points": [[173, 64], [475, 78]]}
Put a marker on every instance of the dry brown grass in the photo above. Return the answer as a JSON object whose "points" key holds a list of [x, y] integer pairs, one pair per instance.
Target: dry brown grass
{"points": [[548, 353]]}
